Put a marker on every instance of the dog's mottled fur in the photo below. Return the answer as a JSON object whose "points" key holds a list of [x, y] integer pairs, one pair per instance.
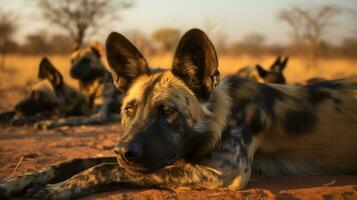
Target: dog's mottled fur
{"points": [[184, 128], [273, 75], [49, 97]]}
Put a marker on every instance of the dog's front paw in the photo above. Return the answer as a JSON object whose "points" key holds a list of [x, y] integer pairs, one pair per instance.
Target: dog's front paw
{"points": [[43, 125], [31, 191], [4, 191], [10, 186]]}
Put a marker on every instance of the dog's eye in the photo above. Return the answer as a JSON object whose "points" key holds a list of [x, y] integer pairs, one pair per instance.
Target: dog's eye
{"points": [[169, 111], [129, 109], [36, 95]]}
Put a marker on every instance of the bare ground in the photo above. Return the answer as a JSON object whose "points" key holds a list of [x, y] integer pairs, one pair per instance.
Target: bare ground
{"points": [[43, 148]]}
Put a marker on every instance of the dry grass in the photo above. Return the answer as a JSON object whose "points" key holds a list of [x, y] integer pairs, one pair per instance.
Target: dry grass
{"points": [[21, 71]]}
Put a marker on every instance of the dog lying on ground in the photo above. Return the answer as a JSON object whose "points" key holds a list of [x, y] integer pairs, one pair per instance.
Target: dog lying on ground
{"points": [[50, 97], [184, 128], [95, 82], [273, 75]]}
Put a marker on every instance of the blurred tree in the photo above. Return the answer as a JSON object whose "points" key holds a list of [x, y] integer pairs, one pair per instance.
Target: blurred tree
{"points": [[60, 44], [349, 47], [293, 19], [252, 44], [254, 39], [309, 26], [327, 50], [43, 43], [354, 13], [79, 17], [167, 38], [36, 43], [8, 27]]}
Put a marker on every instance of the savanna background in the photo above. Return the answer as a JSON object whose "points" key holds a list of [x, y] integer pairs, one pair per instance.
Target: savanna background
{"points": [[319, 36]]}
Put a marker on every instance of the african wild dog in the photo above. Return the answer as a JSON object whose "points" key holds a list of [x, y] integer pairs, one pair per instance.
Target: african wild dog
{"points": [[95, 80], [49, 97], [184, 128], [273, 75]]}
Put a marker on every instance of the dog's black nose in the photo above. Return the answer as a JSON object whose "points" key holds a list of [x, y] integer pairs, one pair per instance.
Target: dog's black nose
{"points": [[19, 106], [130, 152], [74, 71]]}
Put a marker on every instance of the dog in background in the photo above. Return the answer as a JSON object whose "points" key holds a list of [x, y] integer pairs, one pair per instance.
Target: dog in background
{"points": [[96, 83], [50, 97], [273, 75], [95, 80]]}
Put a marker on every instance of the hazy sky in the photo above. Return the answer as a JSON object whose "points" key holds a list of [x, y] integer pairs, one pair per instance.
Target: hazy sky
{"points": [[234, 18]]}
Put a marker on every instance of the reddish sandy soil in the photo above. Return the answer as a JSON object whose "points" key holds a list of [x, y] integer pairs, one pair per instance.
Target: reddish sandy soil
{"points": [[43, 148]]}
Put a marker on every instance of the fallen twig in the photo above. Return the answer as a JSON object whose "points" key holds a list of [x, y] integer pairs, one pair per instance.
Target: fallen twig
{"points": [[330, 183], [13, 172]]}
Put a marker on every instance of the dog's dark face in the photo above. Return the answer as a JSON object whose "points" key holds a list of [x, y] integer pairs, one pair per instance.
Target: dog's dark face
{"points": [[161, 111], [86, 65], [275, 73], [41, 97]]}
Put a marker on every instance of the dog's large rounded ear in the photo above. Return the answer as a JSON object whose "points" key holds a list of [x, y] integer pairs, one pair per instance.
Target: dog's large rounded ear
{"points": [[49, 72], [279, 65], [196, 63], [96, 48], [95, 51], [283, 64], [261, 71], [277, 61], [125, 61]]}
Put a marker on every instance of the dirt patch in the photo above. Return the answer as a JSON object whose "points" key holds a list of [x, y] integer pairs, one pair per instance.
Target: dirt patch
{"points": [[43, 148]]}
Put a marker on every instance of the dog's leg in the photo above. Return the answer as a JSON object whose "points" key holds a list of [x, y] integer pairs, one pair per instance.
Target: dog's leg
{"points": [[229, 167], [97, 178], [90, 181], [75, 121], [52, 174], [6, 117]]}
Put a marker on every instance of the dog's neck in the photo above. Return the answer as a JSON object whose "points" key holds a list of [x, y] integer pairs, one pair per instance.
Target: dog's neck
{"points": [[91, 90], [216, 115]]}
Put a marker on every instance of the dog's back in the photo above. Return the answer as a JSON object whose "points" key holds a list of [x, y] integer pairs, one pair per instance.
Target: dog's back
{"points": [[313, 130]]}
